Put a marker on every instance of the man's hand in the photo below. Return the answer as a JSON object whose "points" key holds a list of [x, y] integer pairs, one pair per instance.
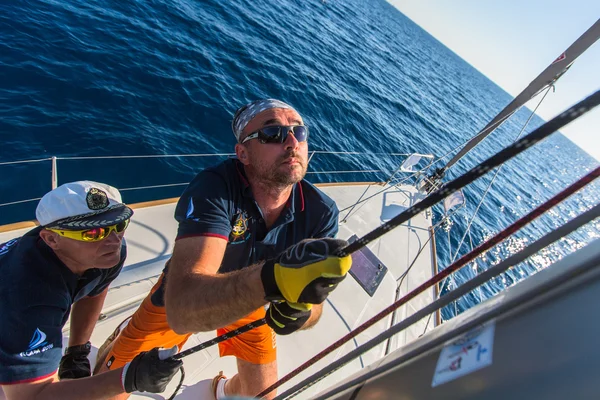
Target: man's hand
{"points": [[75, 364], [306, 272], [285, 318], [150, 371]]}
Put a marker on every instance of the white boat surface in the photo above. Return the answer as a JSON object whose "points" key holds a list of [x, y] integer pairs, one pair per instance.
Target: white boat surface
{"points": [[150, 238]]}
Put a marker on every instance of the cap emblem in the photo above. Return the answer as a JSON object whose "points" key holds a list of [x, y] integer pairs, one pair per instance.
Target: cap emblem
{"points": [[96, 199]]}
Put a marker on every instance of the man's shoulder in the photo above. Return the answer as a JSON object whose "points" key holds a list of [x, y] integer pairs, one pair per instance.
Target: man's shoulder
{"points": [[22, 250], [31, 274], [216, 177], [211, 198], [21, 243], [314, 196], [225, 168], [7, 246]]}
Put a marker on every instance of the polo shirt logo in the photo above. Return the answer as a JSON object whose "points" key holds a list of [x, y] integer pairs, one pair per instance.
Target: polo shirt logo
{"points": [[239, 230], [37, 344], [6, 246]]}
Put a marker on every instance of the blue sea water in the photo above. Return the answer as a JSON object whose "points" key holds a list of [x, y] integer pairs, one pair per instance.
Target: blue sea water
{"points": [[120, 78]]}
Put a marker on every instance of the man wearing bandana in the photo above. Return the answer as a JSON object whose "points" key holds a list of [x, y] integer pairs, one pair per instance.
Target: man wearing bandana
{"points": [[255, 240]]}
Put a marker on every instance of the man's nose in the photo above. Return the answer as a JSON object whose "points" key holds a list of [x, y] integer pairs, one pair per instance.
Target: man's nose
{"points": [[290, 141], [114, 237]]}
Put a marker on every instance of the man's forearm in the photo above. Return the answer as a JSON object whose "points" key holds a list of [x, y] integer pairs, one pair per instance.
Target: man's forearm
{"points": [[199, 302], [101, 386], [84, 315], [97, 387]]}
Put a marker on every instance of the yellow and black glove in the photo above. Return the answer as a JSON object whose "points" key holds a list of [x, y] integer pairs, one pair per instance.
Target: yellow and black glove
{"points": [[285, 318], [306, 272]]}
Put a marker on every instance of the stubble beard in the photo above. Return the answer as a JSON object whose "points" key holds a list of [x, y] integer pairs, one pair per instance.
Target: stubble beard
{"points": [[108, 261], [273, 177]]}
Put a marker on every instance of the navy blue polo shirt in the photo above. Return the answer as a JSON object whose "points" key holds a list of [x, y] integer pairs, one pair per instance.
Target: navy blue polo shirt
{"points": [[36, 294], [219, 202]]}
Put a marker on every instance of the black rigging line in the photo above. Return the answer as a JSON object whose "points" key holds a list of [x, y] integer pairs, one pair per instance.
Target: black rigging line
{"points": [[480, 279], [504, 155], [511, 151]]}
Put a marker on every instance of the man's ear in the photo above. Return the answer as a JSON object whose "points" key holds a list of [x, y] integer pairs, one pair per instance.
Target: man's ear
{"points": [[242, 153], [50, 238]]}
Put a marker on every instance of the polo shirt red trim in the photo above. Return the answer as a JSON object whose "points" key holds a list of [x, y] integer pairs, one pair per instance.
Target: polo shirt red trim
{"points": [[301, 195], [203, 234], [39, 378]]}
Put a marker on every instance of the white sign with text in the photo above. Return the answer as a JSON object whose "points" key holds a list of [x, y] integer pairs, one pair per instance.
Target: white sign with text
{"points": [[469, 352]]}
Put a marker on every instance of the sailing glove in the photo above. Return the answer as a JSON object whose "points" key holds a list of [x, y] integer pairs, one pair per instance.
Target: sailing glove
{"points": [[150, 371], [75, 364], [306, 272], [285, 318]]}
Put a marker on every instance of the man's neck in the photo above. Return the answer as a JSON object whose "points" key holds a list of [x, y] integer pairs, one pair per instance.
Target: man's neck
{"points": [[271, 199], [75, 267]]}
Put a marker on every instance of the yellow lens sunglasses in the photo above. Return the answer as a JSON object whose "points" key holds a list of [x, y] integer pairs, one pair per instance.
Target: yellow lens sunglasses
{"points": [[94, 234]]}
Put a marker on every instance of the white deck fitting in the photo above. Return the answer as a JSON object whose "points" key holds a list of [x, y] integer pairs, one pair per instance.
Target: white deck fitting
{"points": [[150, 240]]}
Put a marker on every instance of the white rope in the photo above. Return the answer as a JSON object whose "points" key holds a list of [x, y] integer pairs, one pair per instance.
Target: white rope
{"points": [[494, 178], [155, 186], [343, 172], [199, 155], [202, 155], [475, 267], [25, 161], [148, 156], [20, 201], [468, 229], [232, 154], [359, 152]]}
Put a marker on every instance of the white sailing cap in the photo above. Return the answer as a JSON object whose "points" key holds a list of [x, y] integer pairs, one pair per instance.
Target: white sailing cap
{"points": [[245, 113], [82, 205]]}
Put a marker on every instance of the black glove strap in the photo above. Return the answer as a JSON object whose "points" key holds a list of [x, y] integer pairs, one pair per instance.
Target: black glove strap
{"points": [[79, 349], [267, 276], [130, 376]]}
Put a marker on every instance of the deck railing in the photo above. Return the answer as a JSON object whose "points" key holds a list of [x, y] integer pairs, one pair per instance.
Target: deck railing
{"points": [[54, 177]]}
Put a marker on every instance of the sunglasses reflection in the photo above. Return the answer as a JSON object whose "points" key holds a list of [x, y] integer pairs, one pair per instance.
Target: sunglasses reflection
{"points": [[278, 134], [93, 234]]}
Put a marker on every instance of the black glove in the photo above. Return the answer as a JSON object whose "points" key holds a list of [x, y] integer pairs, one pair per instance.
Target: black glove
{"points": [[151, 371], [75, 364], [306, 272], [285, 318]]}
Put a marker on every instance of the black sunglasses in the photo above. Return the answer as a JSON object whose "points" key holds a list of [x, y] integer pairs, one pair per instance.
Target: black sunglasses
{"points": [[278, 134]]}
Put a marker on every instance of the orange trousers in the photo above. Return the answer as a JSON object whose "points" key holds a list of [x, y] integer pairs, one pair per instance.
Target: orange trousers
{"points": [[148, 328]]}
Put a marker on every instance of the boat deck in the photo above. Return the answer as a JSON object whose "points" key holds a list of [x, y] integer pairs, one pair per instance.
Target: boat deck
{"points": [[150, 239]]}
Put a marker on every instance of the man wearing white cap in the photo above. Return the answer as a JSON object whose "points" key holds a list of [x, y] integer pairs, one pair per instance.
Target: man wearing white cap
{"points": [[60, 269], [240, 247]]}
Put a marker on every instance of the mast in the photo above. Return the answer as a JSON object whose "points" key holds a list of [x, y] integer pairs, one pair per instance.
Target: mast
{"points": [[547, 78]]}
